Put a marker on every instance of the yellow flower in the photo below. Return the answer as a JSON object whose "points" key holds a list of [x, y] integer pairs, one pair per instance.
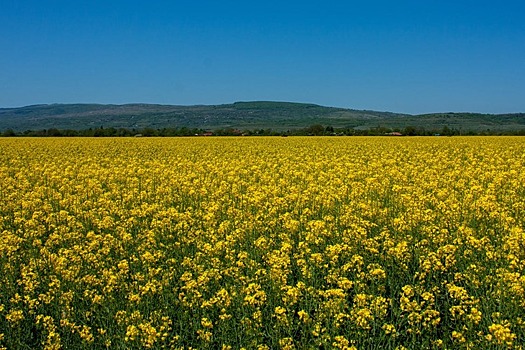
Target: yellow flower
{"points": [[458, 337], [206, 323], [303, 316], [86, 335], [286, 344], [132, 333], [501, 334], [389, 328], [15, 316]]}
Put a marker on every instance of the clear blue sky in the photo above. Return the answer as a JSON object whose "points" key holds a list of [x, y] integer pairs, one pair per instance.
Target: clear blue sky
{"points": [[401, 56]]}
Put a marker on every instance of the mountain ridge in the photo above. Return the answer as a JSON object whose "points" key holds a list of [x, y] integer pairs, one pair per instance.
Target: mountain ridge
{"points": [[242, 115]]}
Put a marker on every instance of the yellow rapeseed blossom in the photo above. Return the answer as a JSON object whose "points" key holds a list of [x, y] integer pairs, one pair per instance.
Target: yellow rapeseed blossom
{"points": [[501, 334], [15, 316]]}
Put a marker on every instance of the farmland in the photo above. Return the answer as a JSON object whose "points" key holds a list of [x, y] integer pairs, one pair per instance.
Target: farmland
{"points": [[262, 243]]}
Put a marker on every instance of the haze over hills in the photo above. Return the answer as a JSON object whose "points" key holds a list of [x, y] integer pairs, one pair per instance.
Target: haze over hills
{"points": [[279, 116]]}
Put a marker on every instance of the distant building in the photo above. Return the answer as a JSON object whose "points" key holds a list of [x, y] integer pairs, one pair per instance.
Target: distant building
{"points": [[395, 133]]}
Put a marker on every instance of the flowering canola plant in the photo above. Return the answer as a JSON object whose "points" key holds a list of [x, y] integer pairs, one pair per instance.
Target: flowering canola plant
{"points": [[262, 243]]}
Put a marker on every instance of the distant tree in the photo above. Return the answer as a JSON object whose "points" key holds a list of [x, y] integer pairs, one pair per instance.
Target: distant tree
{"points": [[98, 132], [110, 131], [379, 131], [53, 132], [316, 129], [349, 131], [123, 132], [446, 131], [410, 131], [148, 132], [69, 132], [184, 131], [9, 133]]}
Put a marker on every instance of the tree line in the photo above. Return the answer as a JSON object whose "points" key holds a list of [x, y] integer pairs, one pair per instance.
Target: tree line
{"points": [[312, 130]]}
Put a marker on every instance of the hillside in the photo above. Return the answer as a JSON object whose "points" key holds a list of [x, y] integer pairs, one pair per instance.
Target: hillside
{"points": [[277, 116]]}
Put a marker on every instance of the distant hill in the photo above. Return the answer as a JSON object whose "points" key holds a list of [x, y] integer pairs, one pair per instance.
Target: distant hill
{"points": [[277, 116]]}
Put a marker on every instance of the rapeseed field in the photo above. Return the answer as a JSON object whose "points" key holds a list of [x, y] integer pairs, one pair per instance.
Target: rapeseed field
{"points": [[262, 243]]}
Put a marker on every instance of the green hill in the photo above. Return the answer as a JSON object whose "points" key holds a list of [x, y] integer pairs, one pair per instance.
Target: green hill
{"points": [[277, 116]]}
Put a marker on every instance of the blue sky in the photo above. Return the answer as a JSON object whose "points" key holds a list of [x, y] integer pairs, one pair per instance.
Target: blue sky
{"points": [[400, 56]]}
